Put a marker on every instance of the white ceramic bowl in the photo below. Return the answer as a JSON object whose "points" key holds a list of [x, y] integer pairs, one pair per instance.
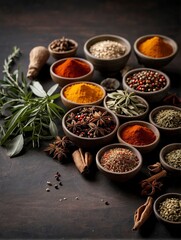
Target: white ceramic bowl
{"points": [[70, 104], [108, 65], [151, 62], [164, 130], [62, 81], [119, 176], [143, 148], [152, 96]]}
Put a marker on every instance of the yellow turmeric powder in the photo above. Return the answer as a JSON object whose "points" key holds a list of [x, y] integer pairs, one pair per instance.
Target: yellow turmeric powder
{"points": [[83, 93], [155, 47]]}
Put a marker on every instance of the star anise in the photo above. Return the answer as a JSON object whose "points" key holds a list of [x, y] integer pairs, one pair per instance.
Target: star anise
{"points": [[74, 126], [96, 131], [60, 148], [100, 118]]}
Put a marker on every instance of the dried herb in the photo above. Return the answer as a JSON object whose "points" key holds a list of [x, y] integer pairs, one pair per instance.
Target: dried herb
{"points": [[125, 103], [29, 112], [90, 122], [60, 148]]}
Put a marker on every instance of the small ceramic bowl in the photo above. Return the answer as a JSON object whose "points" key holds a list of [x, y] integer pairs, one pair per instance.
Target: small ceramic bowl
{"points": [[164, 130], [62, 81], [124, 117], [107, 65], [110, 84], [143, 148], [151, 96], [90, 143], [156, 207], [119, 176], [152, 62], [63, 54], [164, 151], [70, 104]]}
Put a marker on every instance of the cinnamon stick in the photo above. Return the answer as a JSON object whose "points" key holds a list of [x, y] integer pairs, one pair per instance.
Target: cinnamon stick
{"points": [[143, 213], [156, 176], [82, 160]]}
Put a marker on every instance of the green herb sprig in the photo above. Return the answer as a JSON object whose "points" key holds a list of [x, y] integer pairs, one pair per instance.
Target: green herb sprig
{"points": [[29, 112]]}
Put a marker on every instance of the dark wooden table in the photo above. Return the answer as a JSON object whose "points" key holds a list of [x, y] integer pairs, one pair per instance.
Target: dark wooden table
{"points": [[27, 211]]}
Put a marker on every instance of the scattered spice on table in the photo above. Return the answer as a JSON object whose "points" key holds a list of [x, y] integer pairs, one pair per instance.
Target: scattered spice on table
{"points": [[107, 49], [124, 103], [168, 118], [155, 47], [60, 149], [119, 160], [146, 81], [62, 45], [170, 209], [90, 122], [83, 93], [72, 68], [138, 135], [173, 158]]}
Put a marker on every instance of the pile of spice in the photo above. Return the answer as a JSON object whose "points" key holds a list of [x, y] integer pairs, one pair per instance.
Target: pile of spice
{"points": [[83, 93], [138, 135], [155, 47], [170, 209], [119, 160], [62, 45], [146, 81], [72, 68], [124, 103], [90, 122], [173, 158], [168, 118], [107, 49]]}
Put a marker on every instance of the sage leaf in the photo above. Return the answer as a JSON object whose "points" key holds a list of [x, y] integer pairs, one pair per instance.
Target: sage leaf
{"points": [[52, 89], [37, 89], [15, 146], [53, 129]]}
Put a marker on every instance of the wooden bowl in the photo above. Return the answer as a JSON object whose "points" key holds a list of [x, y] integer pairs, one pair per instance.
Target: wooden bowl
{"points": [[119, 176], [85, 142], [63, 54], [151, 62], [164, 130], [70, 104], [143, 148], [62, 81]]}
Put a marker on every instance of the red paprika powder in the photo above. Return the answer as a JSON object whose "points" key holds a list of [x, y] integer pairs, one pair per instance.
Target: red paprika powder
{"points": [[72, 68], [138, 135]]}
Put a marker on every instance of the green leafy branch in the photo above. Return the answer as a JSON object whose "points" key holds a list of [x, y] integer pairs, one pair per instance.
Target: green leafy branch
{"points": [[29, 112]]}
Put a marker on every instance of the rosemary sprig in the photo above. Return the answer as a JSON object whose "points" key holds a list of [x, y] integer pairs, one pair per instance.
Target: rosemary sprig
{"points": [[29, 112]]}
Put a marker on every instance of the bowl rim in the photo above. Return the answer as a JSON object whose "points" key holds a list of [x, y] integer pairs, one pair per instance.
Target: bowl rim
{"points": [[163, 197], [86, 82], [121, 145], [143, 123], [167, 86], [63, 52], [116, 120], [131, 117], [153, 111], [126, 42], [162, 157], [67, 78], [145, 37]]}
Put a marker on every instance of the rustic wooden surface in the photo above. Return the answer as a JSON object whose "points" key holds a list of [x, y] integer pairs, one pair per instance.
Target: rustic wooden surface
{"points": [[27, 211]]}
